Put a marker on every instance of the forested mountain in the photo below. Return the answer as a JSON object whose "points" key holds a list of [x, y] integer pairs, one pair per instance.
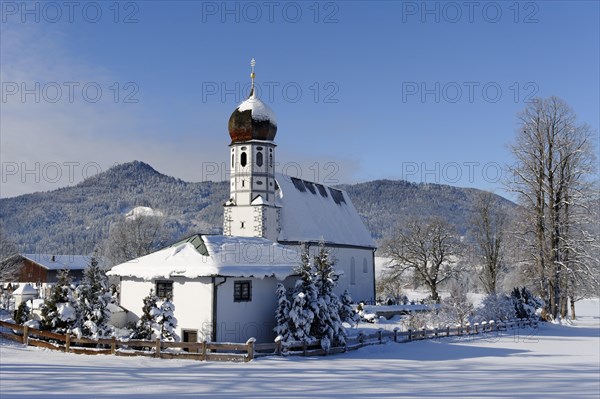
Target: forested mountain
{"points": [[75, 219]]}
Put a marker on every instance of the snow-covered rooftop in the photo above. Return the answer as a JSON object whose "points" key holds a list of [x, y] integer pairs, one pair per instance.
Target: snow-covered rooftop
{"points": [[25, 289], [214, 255], [59, 262], [260, 111], [312, 211]]}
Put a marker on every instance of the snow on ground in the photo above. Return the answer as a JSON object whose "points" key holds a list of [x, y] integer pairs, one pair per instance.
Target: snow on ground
{"points": [[554, 362]]}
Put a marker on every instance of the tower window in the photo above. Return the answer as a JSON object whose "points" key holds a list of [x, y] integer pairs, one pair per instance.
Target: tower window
{"points": [[271, 160], [243, 159], [259, 159], [242, 225], [232, 160]]}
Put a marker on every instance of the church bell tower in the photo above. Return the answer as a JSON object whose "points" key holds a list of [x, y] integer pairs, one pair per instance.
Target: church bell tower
{"points": [[251, 210]]}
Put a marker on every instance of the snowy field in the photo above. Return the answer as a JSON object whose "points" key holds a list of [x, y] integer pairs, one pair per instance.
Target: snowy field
{"points": [[553, 362]]}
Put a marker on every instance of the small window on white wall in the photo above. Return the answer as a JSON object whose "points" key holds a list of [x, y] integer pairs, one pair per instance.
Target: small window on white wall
{"points": [[352, 271], [365, 266]]}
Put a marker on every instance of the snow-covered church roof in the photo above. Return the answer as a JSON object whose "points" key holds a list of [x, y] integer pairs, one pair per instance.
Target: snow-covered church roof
{"points": [[313, 212], [214, 255]]}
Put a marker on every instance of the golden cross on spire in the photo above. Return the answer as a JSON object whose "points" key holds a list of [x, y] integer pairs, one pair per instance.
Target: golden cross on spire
{"points": [[252, 74]]}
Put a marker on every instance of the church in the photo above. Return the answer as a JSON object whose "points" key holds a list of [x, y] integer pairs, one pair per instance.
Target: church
{"points": [[223, 286]]}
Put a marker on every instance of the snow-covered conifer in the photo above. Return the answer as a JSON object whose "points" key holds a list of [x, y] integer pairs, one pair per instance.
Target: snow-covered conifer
{"points": [[147, 326], [22, 313], [167, 321], [347, 312], [93, 296], [304, 301], [60, 311], [327, 325], [282, 314]]}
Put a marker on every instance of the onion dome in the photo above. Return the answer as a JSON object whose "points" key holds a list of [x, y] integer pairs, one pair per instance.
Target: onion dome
{"points": [[252, 119]]}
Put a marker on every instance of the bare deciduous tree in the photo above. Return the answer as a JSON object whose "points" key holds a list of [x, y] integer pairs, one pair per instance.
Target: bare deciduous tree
{"points": [[554, 160], [9, 259], [131, 238], [489, 224], [428, 249]]}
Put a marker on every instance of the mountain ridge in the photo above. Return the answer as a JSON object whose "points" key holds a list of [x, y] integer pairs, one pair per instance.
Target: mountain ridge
{"points": [[78, 217]]}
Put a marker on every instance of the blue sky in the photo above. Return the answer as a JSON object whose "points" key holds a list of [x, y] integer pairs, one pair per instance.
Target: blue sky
{"points": [[426, 91]]}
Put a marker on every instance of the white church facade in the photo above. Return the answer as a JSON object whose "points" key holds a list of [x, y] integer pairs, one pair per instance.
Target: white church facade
{"points": [[223, 286]]}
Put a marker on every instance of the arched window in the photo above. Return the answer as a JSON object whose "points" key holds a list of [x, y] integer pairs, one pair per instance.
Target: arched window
{"points": [[365, 266], [352, 271], [243, 159], [259, 159]]}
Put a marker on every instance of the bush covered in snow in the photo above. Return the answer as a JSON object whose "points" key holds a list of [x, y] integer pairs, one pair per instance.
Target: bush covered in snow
{"points": [[167, 321], [456, 308], [525, 303], [520, 304]]}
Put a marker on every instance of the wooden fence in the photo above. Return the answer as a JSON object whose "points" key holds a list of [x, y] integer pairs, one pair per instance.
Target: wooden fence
{"points": [[382, 336], [238, 351], [166, 350]]}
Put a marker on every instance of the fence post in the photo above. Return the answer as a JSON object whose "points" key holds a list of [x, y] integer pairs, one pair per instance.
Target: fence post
{"points": [[113, 345], [396, 334], [476, 328], [303, 348], [447, 331], [380, 336], [410, 334], [250, 344], [67, 342], [25, 335], [157, 347], [435, 332], [278, 345], [204, 350]]}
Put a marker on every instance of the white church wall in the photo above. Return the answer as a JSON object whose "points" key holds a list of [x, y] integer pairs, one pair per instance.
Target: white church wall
{"points": [[238, 321]]}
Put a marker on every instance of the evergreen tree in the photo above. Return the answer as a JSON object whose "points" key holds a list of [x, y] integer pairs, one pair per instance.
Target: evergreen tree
{"points": [[304, 302], [282, 314], [147, 326], [347, 312], [167, 321], [22, 313], [94, 296], [60, 311], [327, 325]]}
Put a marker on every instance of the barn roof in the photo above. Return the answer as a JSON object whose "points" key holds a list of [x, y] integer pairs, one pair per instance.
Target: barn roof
{"points": [[59, 262], [214, 255], [314, 212]]}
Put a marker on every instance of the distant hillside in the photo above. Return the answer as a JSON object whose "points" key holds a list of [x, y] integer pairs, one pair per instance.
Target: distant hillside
{"points": [[75, 219]]}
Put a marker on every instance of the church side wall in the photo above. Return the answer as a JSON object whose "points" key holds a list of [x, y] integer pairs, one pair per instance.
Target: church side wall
{"points": [[238, 321], [360, 282]]}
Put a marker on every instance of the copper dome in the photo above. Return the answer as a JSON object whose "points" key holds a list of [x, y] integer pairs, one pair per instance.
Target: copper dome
{"points": [[252, 120]]}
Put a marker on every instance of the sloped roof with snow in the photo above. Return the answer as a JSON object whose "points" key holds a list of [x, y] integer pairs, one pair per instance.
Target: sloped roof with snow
{"points": [[59, 262], [214, 255], [25, 289], [313, 212]]}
